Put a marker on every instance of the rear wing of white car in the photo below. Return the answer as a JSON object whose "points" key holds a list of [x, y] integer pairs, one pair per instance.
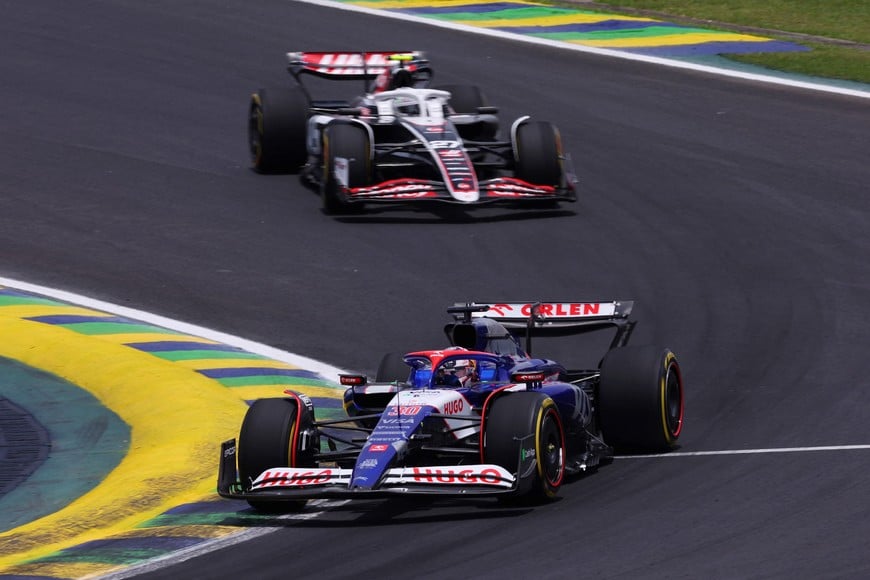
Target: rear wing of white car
{"points": [[353, 65]]}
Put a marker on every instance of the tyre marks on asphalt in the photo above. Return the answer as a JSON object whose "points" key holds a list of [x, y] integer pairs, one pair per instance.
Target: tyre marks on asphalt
{"points": [[56, 425], [180, 388]]}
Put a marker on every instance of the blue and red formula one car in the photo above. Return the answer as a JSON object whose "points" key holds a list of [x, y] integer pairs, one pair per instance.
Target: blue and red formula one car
{"points": [[482, 416]]}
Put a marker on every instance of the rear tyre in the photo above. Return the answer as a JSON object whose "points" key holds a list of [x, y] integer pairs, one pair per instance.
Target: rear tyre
{"points": [[346, 163], [524, 429], [270, 437], [465, 99], [277, 125], [393, 368], [641, 399], [538, 153]]}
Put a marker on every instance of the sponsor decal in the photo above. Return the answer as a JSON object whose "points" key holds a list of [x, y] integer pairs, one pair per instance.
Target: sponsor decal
{"points": [[366, 463], [416, 195], [283, 478], [530, 377], [506, 187], [378, 448], [387, 434], [527, 454], [556, 309], [230, 451], [453, 407], [443, 144], [451, 475], [391, 421], [344, 63], [455, 165], [306, 400], [405, 410], [340, 171], [413, 189]]}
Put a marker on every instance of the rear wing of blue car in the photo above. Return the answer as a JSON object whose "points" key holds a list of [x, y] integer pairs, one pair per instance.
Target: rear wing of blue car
{"points": [[551, 319]]}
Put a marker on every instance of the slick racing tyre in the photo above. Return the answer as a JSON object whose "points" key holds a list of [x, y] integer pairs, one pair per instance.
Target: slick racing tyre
{"points": [[538, 153], [346, 158], [276, 433], [466, 100], [641, 399], [277, 125], [393, 368], [524, 430]]}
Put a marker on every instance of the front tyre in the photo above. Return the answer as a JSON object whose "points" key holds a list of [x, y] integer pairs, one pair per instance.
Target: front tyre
{"points": [[538, 153], [277, 126], [346, 164], [641, 398], [523, 433], [275, 434]]}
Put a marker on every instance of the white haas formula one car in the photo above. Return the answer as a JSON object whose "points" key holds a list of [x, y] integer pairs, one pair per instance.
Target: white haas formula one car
{"points": [[402, 141], [482, 417]]}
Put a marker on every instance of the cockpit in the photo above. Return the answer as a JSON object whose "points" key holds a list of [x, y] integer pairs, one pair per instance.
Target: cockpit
{"points": [[463, 369], [422, 104]]}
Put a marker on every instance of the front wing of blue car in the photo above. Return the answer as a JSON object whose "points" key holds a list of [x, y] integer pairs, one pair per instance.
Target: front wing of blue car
{"points": [[295, 483]]}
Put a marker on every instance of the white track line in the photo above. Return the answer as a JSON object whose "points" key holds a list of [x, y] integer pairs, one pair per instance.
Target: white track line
{"points": [[815, 86], [214, 544], [749, 451]]}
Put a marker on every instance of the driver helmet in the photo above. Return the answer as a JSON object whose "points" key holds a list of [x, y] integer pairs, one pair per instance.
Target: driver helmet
{"points": [[394, 76], [465, 370]]}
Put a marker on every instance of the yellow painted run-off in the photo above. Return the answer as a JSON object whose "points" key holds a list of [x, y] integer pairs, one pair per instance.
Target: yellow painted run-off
{"points": [[177, 419]]}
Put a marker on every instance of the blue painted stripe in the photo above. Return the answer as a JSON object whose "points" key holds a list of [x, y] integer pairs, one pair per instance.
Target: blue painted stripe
{"points": [[604, 26], [711, 48], [169, 346], [257, 372], [475, 8], [21, 294], [79, 319]]}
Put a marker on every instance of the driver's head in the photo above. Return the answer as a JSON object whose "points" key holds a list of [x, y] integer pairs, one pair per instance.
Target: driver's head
{"points": [[402, 77], [460, 367], [394, 76]]}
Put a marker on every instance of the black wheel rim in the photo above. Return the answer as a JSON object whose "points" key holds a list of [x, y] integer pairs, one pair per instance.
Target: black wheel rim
{"points": [[254, 142], [674, 401], [552, 460]]}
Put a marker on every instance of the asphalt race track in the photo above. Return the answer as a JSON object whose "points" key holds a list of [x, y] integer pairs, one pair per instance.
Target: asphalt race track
{"points": [[735, 213]]}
